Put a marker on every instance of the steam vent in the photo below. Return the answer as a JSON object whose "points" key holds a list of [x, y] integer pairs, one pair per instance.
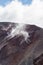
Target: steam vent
{"points": [[20, 44]]}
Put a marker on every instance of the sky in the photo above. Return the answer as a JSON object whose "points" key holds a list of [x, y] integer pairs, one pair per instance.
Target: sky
{"points": [[4, 2], [22, 11]]}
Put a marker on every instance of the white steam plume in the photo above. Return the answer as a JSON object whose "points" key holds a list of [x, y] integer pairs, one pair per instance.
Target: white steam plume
{"points": [[19, 30]]}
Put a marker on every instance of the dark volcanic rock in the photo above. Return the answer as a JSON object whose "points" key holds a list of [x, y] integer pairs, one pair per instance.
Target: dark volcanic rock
{"points": [[38, 60], [21, 45]]}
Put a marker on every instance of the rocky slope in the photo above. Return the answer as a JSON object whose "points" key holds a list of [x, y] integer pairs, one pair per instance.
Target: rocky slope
{"points": [[21, 45]]}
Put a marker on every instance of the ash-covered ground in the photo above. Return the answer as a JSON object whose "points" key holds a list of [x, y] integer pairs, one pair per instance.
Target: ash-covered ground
{"points": [[20, 44]]}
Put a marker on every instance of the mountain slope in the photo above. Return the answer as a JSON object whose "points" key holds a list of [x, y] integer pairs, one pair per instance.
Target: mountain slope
{"points": [[20, 44]]}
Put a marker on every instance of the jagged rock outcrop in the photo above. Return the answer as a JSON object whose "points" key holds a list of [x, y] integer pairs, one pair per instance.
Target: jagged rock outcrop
{"points": [[21, 47]]}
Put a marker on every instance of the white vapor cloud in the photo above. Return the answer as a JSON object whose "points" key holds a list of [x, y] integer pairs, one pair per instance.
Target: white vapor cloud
{"points": [[16, 12]]}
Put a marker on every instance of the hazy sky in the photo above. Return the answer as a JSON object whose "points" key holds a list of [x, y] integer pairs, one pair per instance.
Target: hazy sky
{"points": [[22, 11]]}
